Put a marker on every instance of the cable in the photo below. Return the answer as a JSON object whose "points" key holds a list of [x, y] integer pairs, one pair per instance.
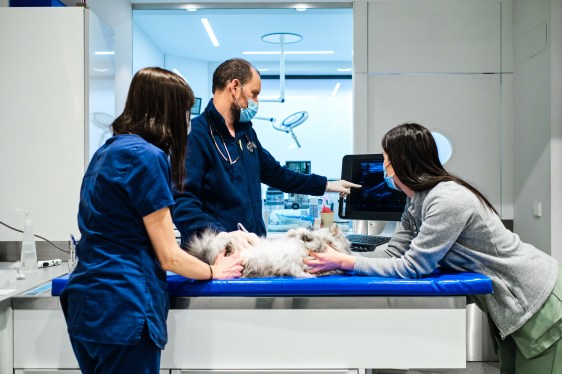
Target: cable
{"points": [[39, 236]]}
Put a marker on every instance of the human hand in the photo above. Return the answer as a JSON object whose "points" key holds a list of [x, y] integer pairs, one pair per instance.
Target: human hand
{"points": [[239, 239], [228, 267], [342, 186], [329, 260]]}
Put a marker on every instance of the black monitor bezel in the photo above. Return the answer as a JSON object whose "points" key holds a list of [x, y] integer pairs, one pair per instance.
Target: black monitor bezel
{"points": [[344, 210]]}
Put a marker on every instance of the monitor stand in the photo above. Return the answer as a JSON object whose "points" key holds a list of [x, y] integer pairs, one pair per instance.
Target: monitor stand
{"points": [[381, 228]]}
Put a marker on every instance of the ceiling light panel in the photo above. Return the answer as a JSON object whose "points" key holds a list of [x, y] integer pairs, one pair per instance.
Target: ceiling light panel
{"points": [[210, 31]]}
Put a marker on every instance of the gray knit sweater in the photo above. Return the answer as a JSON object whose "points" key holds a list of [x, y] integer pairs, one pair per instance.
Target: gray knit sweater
{"points": [[448, 226]]}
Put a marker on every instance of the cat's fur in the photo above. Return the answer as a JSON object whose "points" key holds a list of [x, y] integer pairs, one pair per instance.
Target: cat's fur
{"points": [[281, 256]]}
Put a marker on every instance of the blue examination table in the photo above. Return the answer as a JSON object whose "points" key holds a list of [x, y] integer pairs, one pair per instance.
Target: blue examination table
{"points": [[336, 324], [436, 284]]}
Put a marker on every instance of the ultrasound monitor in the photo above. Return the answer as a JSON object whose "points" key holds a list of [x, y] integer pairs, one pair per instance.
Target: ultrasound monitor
{"points": [[375, 201]]}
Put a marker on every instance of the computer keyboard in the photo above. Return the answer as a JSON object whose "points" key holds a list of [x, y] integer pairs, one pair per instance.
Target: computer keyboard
{"points": [[366, 243]]}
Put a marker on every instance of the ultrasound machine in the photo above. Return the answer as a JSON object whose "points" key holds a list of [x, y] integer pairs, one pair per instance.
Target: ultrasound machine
{"points": [[375, 201]]}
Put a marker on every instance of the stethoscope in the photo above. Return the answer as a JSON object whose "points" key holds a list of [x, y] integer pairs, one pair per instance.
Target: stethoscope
{"points": [[250, 145]]}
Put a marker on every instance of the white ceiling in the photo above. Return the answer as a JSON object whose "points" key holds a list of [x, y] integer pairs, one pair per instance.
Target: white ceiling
{"points": [[181, 33]]}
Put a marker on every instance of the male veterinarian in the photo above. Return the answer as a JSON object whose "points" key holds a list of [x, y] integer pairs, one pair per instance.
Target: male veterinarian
{"points": [[226, 163]]}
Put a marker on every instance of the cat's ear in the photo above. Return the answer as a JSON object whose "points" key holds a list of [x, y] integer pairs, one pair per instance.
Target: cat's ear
{"points": [[335, 229]]}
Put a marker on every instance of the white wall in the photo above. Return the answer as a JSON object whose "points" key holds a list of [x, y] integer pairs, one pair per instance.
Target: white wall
{"points": [[556, 130], [446, 65], [42, 125], [532, 121], [145, 52], [195, 72], [538, 122]]}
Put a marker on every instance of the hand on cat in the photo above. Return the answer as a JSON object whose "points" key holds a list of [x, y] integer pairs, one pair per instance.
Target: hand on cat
{"points": [[228, 267], [329, 260], [239, 239]]}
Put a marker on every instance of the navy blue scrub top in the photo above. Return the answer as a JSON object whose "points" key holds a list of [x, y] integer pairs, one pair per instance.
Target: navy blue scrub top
{"points": [[118, 285], [217, 194]]}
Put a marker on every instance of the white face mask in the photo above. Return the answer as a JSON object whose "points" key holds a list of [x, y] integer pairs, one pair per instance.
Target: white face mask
{"points": [[246, 114]]}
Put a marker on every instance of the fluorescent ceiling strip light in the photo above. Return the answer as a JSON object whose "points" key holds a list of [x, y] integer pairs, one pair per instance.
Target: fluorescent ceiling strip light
{"points": [[102, 53], [343, 69], [336, 89], [210, 32], [288, 52]]}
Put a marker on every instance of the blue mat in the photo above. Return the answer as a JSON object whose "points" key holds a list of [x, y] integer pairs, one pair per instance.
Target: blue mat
{"points": [[436, 284]]}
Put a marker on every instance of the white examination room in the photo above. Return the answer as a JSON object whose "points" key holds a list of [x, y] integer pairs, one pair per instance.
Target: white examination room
{"points": [[338, 187]]}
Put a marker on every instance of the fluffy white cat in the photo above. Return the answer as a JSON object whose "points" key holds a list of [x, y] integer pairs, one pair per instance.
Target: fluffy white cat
{"points": [[281, 256]]}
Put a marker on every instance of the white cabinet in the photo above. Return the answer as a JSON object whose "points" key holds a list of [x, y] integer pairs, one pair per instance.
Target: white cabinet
{"points": [[434, 36], [464, 108], [446, 65], [47, 72]]}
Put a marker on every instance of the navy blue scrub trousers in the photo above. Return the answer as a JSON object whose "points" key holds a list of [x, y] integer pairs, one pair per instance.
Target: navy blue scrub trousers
{"points": [[99, 358]]}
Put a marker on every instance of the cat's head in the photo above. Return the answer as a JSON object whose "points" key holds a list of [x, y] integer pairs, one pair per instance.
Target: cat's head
{"points": [[339, 240]]}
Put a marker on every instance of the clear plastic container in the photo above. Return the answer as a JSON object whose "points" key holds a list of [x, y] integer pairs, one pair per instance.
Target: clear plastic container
{"points": [[28, 249]]}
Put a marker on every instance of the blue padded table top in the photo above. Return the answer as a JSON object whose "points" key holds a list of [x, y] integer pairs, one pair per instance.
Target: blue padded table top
{"points": [[435, 284]]}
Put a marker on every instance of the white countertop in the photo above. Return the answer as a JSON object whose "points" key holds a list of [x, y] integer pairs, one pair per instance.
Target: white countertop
{"points": [[32, 280]]}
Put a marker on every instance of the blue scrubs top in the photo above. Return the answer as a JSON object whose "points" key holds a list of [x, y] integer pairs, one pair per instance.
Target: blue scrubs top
{"points": [[118, 285], [217, 194]]}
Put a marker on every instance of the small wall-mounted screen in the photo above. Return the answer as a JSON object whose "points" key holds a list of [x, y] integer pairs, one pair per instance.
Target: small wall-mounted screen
{"points": [[196, 108], [299, 166]]}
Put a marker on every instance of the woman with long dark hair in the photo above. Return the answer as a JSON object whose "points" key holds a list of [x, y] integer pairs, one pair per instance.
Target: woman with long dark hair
{"points": [[116, 300], [448, 223]]}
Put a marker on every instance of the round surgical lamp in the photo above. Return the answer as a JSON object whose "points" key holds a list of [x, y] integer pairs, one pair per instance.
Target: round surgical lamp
{"points": [[103, 121], [289, 123]]}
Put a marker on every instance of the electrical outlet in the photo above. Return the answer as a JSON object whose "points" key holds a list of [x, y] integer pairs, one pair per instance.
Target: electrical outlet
{"points": [[537, 210]]}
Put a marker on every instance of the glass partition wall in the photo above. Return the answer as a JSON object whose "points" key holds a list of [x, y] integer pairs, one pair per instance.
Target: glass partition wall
{"points": [[304, 56]]}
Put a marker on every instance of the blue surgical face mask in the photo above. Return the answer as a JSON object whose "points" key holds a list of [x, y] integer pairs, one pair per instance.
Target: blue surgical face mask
{"points": [[246, 114], [389, 179]]}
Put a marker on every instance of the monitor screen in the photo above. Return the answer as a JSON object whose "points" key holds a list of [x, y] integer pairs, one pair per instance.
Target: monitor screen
{"points": [[196, 108], [375, 200], [299, 166]]}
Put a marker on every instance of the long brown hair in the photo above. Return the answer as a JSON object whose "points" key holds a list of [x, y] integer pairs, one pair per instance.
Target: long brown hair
{"points": [[157, 109], [413, 153]]}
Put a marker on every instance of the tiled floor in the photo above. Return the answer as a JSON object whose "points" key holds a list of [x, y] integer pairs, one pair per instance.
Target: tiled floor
{"points": [[471, 368]]}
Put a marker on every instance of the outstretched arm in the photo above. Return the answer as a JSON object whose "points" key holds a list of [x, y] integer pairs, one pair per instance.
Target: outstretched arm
{"points": [[171, 257], [342, 186]]}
